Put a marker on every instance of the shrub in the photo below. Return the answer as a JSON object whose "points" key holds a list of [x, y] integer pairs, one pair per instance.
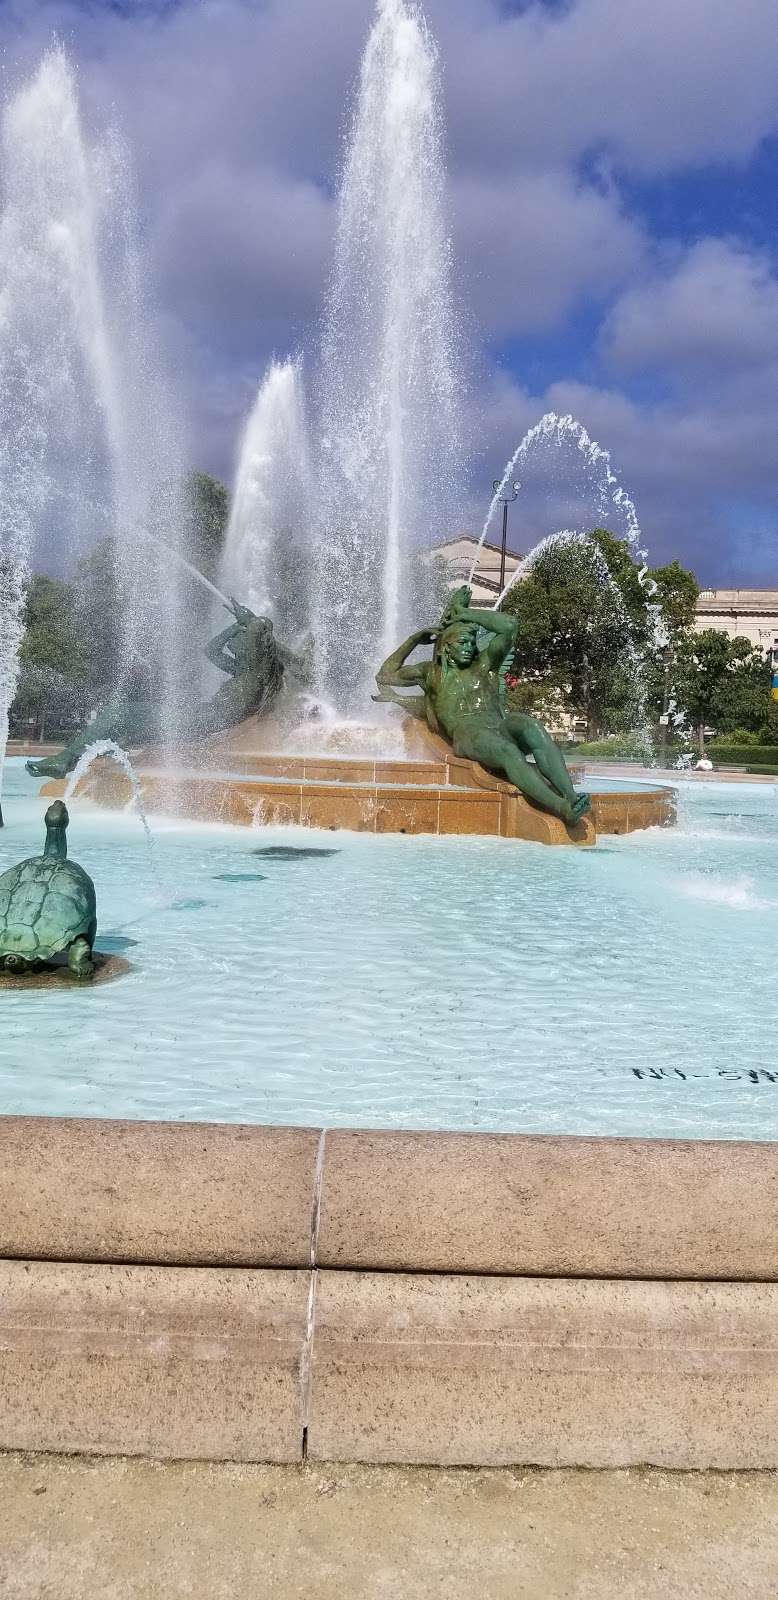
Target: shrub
{"points": [[739, 736], [615, 747], [758, 755]]}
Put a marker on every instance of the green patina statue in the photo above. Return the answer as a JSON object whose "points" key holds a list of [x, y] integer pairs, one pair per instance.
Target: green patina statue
{"points": [[48, 907], [464, 699], [256, 666]]}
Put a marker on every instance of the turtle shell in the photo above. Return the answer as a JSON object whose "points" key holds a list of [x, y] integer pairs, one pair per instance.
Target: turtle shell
{"points": [[44, 905]]}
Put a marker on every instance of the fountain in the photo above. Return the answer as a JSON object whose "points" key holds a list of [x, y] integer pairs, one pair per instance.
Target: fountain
{"points": [[390, 451], [595, 462], [177, 1279], [108, 748], [87, 445], [387, 437], [272, 504]]}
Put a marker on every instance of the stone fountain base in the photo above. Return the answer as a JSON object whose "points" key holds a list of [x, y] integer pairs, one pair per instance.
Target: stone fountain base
{"points": [[428, 790]]}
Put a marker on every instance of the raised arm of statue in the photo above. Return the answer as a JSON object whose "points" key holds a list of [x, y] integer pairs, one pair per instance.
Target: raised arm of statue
{"points": [[504, 631], [395, 674], [217, 650]]}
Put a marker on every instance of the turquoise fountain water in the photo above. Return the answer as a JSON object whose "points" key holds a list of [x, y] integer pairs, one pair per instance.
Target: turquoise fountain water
{"points": [[623, 990]]}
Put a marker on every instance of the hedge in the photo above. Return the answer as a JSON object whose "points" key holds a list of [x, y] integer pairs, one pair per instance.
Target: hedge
{"points": [[740, 755]]}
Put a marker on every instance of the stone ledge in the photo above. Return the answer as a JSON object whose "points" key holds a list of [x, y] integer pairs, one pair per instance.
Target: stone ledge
{"points": [[549, 1205], [236, 1364], [158, 1361], [84, 1189], [87, 1189], [498, 1371]]}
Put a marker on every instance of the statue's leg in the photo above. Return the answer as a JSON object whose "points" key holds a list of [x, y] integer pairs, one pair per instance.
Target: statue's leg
{"points": [[80, 958], [532, 738], [59, 765], [494, 749]]}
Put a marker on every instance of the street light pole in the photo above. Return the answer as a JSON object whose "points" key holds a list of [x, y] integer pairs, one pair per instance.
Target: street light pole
{"points": [[505, 500]]}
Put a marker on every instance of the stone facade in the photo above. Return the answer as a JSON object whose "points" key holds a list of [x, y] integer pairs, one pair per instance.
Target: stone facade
{"points": [[750, 614], [457, 555]]}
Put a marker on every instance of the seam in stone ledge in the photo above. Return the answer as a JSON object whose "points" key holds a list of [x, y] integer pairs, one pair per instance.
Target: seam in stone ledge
{"points": [[318, 1176], [306, 1357]]}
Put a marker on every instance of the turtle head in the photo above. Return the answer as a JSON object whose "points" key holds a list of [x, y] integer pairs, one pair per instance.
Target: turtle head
{"points": [[56, 820]]}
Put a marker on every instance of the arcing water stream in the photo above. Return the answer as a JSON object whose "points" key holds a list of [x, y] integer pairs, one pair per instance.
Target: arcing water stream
{"points": [[108, 747]]}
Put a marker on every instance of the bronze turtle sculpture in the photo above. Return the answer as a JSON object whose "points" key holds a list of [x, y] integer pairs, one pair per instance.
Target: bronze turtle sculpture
{"points": [[48, 907]]}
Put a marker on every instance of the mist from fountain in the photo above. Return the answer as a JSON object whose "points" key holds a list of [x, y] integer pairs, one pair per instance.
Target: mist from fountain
{"points": [[272, 504], [85, 417], [390, 453]]}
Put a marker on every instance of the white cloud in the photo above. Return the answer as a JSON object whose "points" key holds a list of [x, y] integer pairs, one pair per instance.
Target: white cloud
{"points": [[714, 311], [536, 243], [661, 87]]}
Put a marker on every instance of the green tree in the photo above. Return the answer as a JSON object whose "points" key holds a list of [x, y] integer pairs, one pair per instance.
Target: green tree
{"points": [[677, 592], [768, 727], [51, 637], [626, 574], [581, 611], [100, 617], [745, 696], [721, 683], [52, 672], [207, 514]]}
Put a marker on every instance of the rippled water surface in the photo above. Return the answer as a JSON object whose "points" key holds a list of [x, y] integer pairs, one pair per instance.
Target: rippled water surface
{"points": [[340, 979]]}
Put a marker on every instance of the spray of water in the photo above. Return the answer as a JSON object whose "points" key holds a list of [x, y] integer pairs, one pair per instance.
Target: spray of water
{"points": [[390, 450], [553, 430], [130, 534], [107, 747], [271, 506], [83, 402]]}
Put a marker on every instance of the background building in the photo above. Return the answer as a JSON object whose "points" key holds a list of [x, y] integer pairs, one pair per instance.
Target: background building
{"points": [[742, 613], [457, 556]]}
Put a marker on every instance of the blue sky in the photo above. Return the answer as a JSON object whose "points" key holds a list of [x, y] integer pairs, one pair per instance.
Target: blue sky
{"points": [[612, 200]]}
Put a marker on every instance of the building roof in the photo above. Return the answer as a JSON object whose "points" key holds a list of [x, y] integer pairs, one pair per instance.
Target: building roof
{"points": [[760, 602], [468, 538]]}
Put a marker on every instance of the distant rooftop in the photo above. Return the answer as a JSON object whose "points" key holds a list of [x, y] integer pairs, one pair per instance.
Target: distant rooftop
{"points": [[458, 554], [755, 600]]}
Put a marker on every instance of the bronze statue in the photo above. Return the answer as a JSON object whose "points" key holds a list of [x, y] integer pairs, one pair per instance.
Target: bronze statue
{"points": [[48, 907], [464, 699], [256, 666]]}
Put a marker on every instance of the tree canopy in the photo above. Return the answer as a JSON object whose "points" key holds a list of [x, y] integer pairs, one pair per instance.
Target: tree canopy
{"points": [[720, 683], [207, 513], [585, 624]]}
